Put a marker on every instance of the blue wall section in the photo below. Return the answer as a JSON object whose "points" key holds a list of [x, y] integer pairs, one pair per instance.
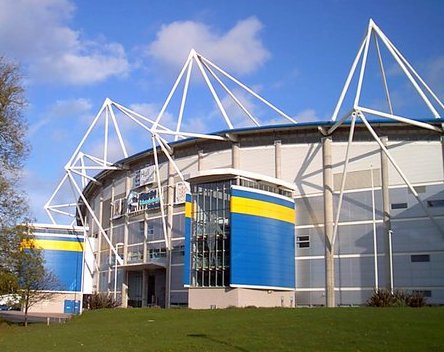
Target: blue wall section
{"points": [[262, 248], [66, 266], [187, 254], [63, 257]]}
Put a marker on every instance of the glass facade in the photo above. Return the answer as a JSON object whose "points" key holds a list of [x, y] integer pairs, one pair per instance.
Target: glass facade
{"points": [[210, 239]]}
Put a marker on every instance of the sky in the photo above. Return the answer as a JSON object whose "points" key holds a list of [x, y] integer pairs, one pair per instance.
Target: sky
{"points": [[296, 54]]}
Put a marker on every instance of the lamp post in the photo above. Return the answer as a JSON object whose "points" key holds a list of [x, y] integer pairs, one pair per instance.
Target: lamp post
{"points": [[115, 269]]}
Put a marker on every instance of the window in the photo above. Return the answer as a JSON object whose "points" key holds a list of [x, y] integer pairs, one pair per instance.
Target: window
{"points": [[435, 203], [418, 258], [210, 241], [135, 232], [303, 241], [399, 205]]}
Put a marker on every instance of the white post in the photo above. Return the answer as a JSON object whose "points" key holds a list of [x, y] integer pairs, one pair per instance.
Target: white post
{"points": [[115, 269], [375, 246], [390, 233]]}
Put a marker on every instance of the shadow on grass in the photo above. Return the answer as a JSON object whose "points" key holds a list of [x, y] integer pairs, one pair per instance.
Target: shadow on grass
{"points": [[221, 342]]}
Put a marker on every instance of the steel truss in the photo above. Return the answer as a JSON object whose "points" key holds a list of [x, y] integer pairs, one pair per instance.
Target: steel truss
{"points": [[82, 167], [359, 111]]}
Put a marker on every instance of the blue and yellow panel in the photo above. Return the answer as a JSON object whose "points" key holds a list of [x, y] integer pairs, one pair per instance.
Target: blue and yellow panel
{"points": [[262, 239], [63, 257], [187, 256]]}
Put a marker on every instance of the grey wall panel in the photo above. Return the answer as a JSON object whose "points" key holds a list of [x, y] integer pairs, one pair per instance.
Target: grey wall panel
{"points": [[310, 273], [187, 165], [363, 156], [316, 248], [179, 298], [352, 298], [216, 160], [178, 230], [417, 160], [359, 179], [177, 277], [309, 210], [357, 206], [302, 164], [416, 236], [418, 274], [107, 192], [355, 239], [313, 298], [354, 272], [259, 160], [120, 185]]}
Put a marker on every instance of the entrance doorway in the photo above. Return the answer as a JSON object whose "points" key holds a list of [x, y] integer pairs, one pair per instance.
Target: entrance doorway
{"points": [[135, 284], [146, 288], [151, 294]]}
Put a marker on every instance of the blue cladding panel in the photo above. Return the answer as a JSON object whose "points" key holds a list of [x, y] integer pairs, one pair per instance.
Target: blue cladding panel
{"points": [[66, 266], [187, 254], [71, 307], [262, 252]]}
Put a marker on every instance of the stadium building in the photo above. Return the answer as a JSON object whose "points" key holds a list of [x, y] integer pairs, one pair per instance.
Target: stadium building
{"points": [[278, 215]]}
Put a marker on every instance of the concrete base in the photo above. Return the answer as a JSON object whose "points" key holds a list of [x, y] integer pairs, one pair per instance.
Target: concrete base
{"points": [[55, 304], [211, 298]]}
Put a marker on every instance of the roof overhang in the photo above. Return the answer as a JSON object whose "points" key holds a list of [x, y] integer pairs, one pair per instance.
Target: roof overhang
{"points": [[213, 175]]}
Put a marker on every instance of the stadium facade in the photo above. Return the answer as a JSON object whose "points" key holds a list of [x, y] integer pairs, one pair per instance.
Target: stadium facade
{"points": [[252, 230], [278, 215]]}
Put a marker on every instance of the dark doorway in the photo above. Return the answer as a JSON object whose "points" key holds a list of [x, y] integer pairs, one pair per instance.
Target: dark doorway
{"points": [[151, 290], [135, 279]]}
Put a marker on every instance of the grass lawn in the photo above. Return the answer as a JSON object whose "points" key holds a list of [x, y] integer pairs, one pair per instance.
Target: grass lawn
{"points": [[304, 329]]}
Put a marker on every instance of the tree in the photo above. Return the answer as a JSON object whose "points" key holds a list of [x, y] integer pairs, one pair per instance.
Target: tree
{"points": [[13, 150], [34, 282], [13, 145]]}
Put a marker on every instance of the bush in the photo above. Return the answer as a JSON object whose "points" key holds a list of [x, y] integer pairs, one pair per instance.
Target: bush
{"points": [[384, 298], [416, 299], [101, 300]]}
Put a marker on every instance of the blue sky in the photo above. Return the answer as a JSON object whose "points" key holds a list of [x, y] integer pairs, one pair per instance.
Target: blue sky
{"points": [[296, 54]]}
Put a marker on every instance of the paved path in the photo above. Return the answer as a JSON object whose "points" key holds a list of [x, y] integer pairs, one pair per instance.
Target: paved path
{"points": [[19, 317]]}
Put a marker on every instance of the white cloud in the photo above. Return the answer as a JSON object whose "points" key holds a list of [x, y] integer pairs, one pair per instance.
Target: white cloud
{"points": [[435, 76], [63, 109], [236, 115], [239, 50], [151, 111], [36, 33], [307, 115]]}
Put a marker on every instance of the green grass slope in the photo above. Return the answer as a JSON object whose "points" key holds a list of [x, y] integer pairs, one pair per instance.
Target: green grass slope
{"points": [[342, 329]]}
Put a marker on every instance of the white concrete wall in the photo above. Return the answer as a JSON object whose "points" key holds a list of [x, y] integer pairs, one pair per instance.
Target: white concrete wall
{"points": [[258, 159], [55, 304], [207, 298]]}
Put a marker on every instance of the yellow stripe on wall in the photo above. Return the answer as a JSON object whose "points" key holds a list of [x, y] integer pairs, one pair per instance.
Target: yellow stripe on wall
{"points": [[59, 245], [261, 208], [188, 209]]}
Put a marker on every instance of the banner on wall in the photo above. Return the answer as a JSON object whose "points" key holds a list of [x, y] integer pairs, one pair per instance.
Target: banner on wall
{"points": [[143, 200], [144, 176], [150, 199], [182, 188]]}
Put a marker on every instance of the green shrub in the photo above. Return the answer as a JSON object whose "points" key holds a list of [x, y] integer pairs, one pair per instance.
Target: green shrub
{"points": [[384, 298], [101, 300]]}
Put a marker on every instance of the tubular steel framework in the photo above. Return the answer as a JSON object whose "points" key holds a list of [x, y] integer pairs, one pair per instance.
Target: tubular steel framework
{"points": [[83, 167], [359, 111]]}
